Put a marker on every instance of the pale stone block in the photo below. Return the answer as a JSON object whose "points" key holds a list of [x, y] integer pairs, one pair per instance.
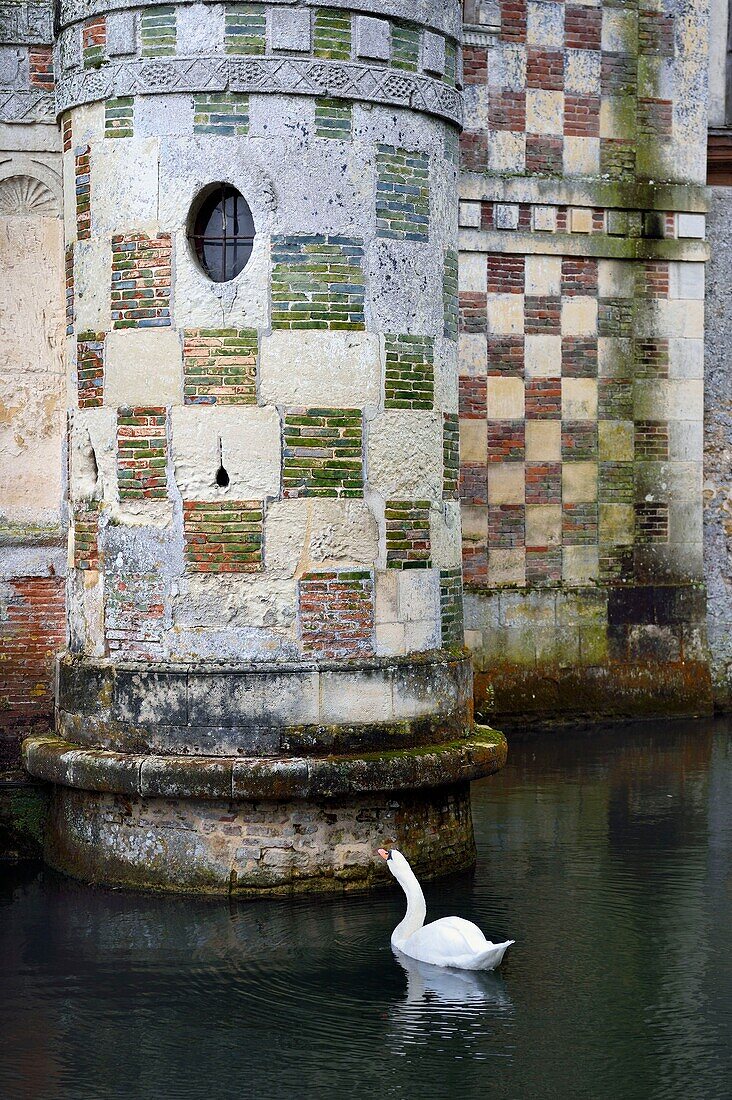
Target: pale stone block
{"points": [[582, 72], [579, 482], [543, 524], [580, 564], [163, 116], [301, 535], [470, 215], [92, 277], [580, 219], [507, 66], [691, 225], [686, 440], [663, 317], [433, 53], [121, 198], [579, 399], [579, 316], [543, 274], [543, 356], [422, 636], [668, 399], [446, 374], [686, 280], [618, 117], [390, 639], [656, 77], [505, 398], [373, 41], [686, 359], [544, 219], [544, 111], [615, 279], [543, 440], [247, 439], [143, 367], [339, 369], [614, 357], [507, 566], [506, 483], [619, 31], [290, 29], [473, 440], [419, 595], [506, 215], [93, 458], [544, 24], [616, 524], [615, 440], [349, 698], [404, 450], [121, 37], [199, 29], [473, 354], [386, 596], [506, 153], [445, 535], [88, 123], [473, 272], [581, 156], [474, 523], [505, 314], [474, 640]]}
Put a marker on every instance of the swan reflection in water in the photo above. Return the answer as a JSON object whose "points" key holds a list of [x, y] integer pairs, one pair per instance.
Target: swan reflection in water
{"points": [[447, 1003]]}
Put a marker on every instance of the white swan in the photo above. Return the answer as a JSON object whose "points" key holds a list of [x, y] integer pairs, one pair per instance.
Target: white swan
{"points": [[450, 941]]}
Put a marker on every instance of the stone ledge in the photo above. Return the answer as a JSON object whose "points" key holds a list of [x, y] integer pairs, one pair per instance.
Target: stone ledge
{"points": [[150, 776]]}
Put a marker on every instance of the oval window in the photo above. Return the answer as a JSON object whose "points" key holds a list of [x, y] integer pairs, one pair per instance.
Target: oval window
{"points": [[222, 232]]}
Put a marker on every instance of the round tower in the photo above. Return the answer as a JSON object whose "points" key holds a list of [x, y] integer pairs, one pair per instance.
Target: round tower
{"points": [[265, 675]]}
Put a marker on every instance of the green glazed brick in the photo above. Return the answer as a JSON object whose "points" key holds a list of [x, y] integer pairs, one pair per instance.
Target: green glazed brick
{"points": [[405, 47], [158, 32], [245, 27], [223, 113], [318, 283], [407, 534], [451, 607], [118, 117], [409, 382], [450, 455], [333, 118], [323, 453], [402, 194], [450, 295], [332, 34]]}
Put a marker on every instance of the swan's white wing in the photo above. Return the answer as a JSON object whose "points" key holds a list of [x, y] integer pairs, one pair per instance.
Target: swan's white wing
{"points": [[453, 941]]}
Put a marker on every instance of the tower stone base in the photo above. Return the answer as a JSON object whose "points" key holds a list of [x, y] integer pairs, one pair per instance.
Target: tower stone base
{"points": [[262, 781]]}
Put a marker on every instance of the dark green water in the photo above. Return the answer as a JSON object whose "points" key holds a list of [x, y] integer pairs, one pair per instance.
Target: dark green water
{"points": [[607, 857]]}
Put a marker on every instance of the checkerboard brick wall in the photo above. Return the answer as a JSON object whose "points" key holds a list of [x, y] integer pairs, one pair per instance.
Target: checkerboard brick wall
{"points": [[409, 372], [220, 366], [223, 536], [408, 534], [336, 613], [86, 535], [323, 453], [134, 616], [142, 453], [318, 283], [141, 274], [82, 183], [90, 369]]}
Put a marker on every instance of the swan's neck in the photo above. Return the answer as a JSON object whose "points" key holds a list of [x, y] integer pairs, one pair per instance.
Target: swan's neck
{"points": [[416, 907]]}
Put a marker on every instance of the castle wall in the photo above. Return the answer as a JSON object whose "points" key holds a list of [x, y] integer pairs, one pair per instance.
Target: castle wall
{"points": [[32, 381], [581, 358]]}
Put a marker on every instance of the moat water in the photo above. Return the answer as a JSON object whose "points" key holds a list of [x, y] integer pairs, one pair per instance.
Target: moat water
{"points": [[608, 858]]}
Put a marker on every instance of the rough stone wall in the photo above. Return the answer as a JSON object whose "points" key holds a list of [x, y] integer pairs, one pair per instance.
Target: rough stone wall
{"points": [[718, 445], [581, 355], [32, 383], [322, 380]]}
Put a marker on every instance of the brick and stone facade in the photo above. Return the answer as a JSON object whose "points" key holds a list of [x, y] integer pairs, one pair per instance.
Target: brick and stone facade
{"points": [[282, 469]]}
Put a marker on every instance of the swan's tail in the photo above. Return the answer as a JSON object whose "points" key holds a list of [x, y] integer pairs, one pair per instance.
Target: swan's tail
{"points": [[492, 957]]}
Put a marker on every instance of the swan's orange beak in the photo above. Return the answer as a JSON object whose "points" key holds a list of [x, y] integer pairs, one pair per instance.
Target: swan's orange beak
{"points": [[383, 853]]}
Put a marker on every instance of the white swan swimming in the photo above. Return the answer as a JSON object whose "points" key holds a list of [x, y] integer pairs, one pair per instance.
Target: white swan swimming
{"points": [[450, 941]]}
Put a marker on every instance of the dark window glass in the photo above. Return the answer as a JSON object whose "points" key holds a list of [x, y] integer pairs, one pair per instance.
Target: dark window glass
{"points": [[223, 233]]}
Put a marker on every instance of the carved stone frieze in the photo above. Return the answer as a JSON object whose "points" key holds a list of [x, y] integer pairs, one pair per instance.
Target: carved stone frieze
{"points": [[24, 23], [34, 106], [291, 76]]}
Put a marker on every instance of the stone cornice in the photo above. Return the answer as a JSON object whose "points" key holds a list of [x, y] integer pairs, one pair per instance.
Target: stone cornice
{"points": [[264, 75], [35, 106]]}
